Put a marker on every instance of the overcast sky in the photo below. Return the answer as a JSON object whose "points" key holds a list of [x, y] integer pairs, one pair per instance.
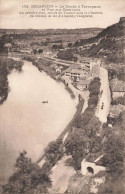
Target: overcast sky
{"points": [[11, 19]]}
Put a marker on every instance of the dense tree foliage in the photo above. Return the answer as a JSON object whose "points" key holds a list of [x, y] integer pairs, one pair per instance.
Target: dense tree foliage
{"points": [[54, 151], [83, 138], [113, 148], [6, 66], [67, 55], [28, 178]]}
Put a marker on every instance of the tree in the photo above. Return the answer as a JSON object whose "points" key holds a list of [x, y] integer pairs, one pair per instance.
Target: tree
{"points": [[55, 47], [69, 44], [76, 145], [54, 151], [40, 51], [34, 51], [28, 178]]}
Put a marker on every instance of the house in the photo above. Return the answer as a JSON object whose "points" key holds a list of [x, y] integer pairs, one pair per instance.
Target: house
{"points": [[58, 69], [115, 110], [8, 46], [83, 84], [28, 51], [118, 88], [86, 64], [47, 53], [75, 73]]}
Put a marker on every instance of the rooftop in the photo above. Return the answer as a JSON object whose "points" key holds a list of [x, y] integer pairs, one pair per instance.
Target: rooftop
{"points": [[84, 82], [115, 110], [118, 86]]}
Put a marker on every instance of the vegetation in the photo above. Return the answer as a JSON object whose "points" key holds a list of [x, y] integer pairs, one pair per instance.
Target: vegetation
{"points": [[6, 66], [54, 152], [67, 55], [118, 73], [108, 44], [35, 51], [57, 47], [113, 147], [28, 178], [83, 138]]}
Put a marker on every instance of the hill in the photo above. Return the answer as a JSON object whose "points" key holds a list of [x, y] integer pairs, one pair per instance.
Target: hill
{"points": [[108, 44], [66, 35]]}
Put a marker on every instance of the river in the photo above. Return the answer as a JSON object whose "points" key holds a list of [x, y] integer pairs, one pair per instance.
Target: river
{"points": [[25, 122]]}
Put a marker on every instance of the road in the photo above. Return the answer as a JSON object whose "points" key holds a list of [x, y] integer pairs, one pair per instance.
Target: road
{"points": [[105, 98]]}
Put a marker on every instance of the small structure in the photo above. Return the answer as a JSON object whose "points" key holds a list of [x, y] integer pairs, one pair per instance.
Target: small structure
{"points": [[90, 168]]}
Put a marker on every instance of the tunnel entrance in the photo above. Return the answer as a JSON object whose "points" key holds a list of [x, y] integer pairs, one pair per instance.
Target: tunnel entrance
{"points": [[90, 169]]}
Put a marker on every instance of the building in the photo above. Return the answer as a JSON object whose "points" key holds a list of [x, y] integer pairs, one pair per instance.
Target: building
{"points": [[115, 110], [8, 46], [83, 84], [95, 67], [75, 73], [86, 64], [118, 88], [58, 69], [89, 168], [28, 51]]}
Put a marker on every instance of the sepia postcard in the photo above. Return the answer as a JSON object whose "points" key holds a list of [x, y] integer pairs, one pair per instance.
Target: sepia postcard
{"points": [[62, 96]]}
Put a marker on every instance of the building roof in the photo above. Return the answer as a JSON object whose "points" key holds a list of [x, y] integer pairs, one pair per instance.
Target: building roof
{"points": [[84, 82], [76, 71], [115, 110], [118, 85], [73, 70]]}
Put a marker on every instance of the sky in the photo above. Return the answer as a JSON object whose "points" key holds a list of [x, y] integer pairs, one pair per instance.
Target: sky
{"points": [[10, 18]]}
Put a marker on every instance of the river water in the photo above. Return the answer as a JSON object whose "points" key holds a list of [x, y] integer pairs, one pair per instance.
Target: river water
{"points": [[25, 122]]}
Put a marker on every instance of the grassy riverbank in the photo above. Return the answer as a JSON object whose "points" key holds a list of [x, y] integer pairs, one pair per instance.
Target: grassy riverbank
{"points": [[6, 66]]}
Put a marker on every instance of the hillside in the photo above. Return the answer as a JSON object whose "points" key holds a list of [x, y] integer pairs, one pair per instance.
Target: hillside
{"points": [[66, 35], [108, 44]]}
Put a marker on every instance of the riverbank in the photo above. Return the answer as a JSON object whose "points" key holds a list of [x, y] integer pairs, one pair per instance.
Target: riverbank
{"points": [[6, 66], [45, 65]]}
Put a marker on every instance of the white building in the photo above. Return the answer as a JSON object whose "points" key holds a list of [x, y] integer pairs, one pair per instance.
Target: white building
{"points": [[89, 168]]}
